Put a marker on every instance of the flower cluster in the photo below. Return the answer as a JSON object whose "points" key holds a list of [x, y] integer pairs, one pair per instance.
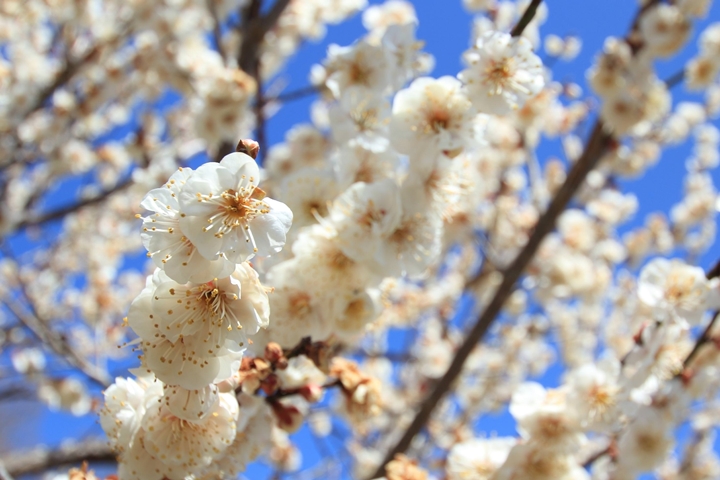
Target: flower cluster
{"points": [[194, 319]]}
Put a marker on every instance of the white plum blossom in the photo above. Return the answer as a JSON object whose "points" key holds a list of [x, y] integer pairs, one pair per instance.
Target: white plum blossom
{"points": [[225, 212], [675, 289], [191, 405], [362, 69], [664, 29], [429, 117], [645, 442], [415, 243], [356, 311], [168, 247], [126, 401], [364, 215], [478, 458], [361, 119], [544, 417], [502, 74], [594, 392], [308, 192], [190, 445]]}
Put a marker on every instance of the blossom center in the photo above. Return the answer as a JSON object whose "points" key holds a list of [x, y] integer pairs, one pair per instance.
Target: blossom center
{"points": [[300, 303], [498, 74]]}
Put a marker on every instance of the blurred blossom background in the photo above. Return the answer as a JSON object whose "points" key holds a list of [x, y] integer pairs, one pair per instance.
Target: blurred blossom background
{"points": [[82, 267]]}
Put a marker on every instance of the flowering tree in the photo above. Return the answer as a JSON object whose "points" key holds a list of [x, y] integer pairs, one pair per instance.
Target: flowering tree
{"points": [[413, 210]]}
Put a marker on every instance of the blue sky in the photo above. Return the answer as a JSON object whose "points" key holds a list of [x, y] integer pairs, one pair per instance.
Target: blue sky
{"points": [[445, 27]]}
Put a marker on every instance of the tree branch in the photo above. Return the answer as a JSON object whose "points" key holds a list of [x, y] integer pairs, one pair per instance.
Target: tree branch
{"points": [[526, 18], [595, 147], [54, 340], [293, 94], [675, 79], [42, 459], [62, 212], [254, 28]]}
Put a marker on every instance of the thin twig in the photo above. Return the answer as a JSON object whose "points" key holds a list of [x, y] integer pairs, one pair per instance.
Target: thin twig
{"points": [[72, 67], [34, 322], [702, 340], [62, 212], [297, 391], [260, 127], [254, 27], [42, 459], [675, 79], [526, 18], [293, 95], [705, 336], [596, 456]]}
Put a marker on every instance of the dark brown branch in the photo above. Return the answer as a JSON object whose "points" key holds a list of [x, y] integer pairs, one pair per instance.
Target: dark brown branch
{"points": [[298, 391], [42, 459], [675, 79], [705, 337], [596, 456], [260, 127], [300, 349], [714, 272], [293, 95], [254, 27], [526, 18], [62, 212], [595, 148]]}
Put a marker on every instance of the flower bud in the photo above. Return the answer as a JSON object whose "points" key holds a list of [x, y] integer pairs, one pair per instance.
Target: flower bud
{"points": [[248, 147], [311, 392]]}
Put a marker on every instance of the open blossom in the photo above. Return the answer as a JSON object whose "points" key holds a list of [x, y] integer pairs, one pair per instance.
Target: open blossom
{"points": [[307, 192], [224, 211], [360, 69], [643, 100], [416, 241], [528, 460], [645, 442], [478, 458], [607, 76], [544, 417], [213, 312], [189, 350], [126, 402], [190, 445], [674, 288], [378, 18], [503, 73], [365, 215], [594, 392], [431, 116], [664, 29], [361, 119], [191, 405], [167, 245]]}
